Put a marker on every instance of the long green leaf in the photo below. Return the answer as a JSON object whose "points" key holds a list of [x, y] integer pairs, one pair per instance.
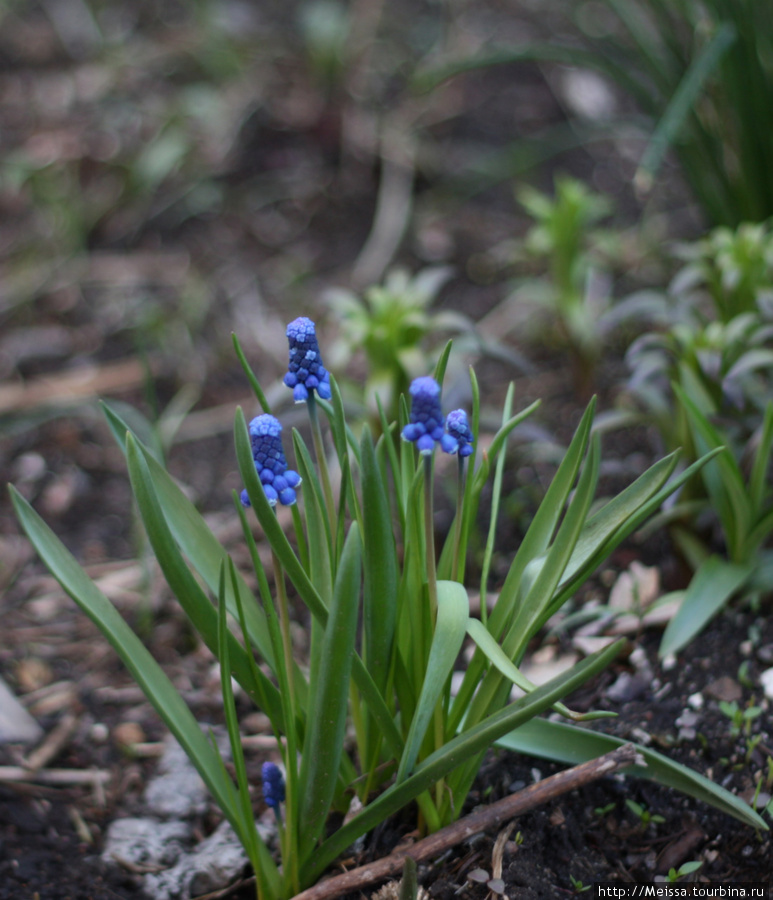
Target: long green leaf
{"points": [[711, 587], [255, 847], [453, 611], [531, 610], [193, 535], [759, 486], [456, 752], [303, 584], [570, 744], [540, 532], [193, 600], [533, 546], [327, 719], [499, 659], [684, 101], [254, 383], [144, 669], [379, 609]]}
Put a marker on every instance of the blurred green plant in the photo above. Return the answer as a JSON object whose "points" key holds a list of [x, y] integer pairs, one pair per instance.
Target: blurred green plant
{"points": [[573, 300], [389, 619], [699, 69], [735, 267], [741, 718], [705, 381], [564, 238], [325, 27], [396, 328], [645, 816], [577, 886], [683, 871]]}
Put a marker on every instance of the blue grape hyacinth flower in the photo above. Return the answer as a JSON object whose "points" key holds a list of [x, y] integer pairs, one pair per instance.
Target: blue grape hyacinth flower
{"points": [[273, 784], [458, 427], [426, 426], [306, 373], [279, 482]]}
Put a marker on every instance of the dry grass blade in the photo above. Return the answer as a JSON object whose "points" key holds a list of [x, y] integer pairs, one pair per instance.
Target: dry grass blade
{"points": [[67, 388]]}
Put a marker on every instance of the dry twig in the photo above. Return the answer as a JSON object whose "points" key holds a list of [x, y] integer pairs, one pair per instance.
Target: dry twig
{"points": [[489, 817]]}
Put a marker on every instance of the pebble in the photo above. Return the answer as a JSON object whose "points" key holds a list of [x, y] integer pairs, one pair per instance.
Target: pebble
{"points": [[16, 724], [145, 842], [177, 791], [213, 865], [724, 688], [766, 680], [765, 654], [695, 701]]}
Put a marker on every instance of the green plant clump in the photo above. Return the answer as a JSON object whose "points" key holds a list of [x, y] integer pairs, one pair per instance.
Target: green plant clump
{"points": [[706, 382], [393, 325], [389, 616]]}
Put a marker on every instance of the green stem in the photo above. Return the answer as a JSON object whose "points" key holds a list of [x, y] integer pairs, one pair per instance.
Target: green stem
{"points": [[429, 536], [290, 853], [460, 484], [429, 540], [319, 450]]}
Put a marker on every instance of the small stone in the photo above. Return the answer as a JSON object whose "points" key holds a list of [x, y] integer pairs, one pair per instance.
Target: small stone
{"points": [[695, 701], [766, 680], [99, 733], [627, 687], [128, 733], [16, 724], [765, 654], [33, 673], [480, 876], [641, 736], [724, 688], [177, 791], [145, 842]]}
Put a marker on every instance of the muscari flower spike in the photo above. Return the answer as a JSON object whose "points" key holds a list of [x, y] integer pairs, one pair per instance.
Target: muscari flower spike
{"points": [[306, 373], [459, 429], [273, 784], [279, 482], [426, 426]]}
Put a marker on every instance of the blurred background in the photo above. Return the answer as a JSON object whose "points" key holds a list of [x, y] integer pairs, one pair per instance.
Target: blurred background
{"points": [[173, 172]]}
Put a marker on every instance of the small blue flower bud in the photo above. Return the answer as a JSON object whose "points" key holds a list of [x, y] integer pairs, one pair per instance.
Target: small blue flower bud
{"points": [[278, 481], [273, 785], [306, 373], [426, 426], [458, 427]]}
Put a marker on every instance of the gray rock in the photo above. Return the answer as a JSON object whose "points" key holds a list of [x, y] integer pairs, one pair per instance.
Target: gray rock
{"points": [[214, 864], [177, 792], [16, 724], [145, 842]]}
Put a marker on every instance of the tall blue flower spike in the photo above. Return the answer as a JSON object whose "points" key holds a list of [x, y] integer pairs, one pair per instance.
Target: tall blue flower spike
{"points": [[426, 426], [273, 784], [306, 373], [459, 429], [279, 482]]}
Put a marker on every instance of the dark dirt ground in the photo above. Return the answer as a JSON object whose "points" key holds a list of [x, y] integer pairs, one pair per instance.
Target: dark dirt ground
{"points": [[154, 281]]}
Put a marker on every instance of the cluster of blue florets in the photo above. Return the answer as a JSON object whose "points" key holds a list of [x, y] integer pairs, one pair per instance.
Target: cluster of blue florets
{"points": [[306, 373], [426, 425], [273, 784], [459, 429], [279, 482]]}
